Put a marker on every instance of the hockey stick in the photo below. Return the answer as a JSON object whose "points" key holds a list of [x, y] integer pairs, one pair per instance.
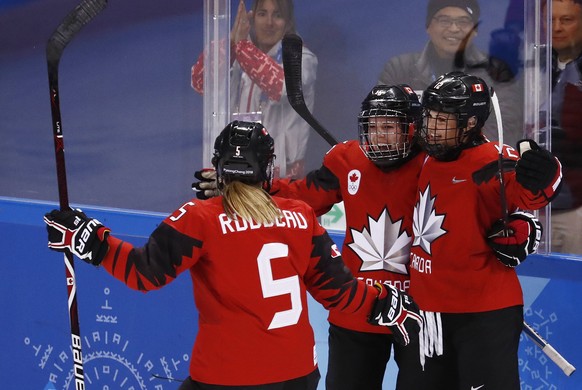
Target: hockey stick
{"points": [[65, 32], [497, 109], [167, 378], [292, 54], [527, 329], [548, 350]]}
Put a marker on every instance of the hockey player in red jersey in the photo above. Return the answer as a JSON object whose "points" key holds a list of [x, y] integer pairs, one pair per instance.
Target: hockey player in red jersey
{"points": [[365, 176], [251, 257], [376, 178], [472, 301]]}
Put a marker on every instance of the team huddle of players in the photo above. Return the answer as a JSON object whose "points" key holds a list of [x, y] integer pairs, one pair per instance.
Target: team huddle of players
{"points": [[421, 182], [423, 208]]}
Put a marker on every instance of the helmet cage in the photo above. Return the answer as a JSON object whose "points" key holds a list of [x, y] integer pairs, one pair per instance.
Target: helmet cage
{"points": [[385, 135], [463, 96], [388, 119], [449, 142]]}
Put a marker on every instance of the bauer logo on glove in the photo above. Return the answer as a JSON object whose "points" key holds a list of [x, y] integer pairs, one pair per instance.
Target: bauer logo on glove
{"points": [[396, 310], [72, 230], [514, 241]]}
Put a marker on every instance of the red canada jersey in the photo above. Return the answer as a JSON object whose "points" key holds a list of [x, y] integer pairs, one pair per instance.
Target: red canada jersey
{"points": [[378, 206], [452, 269], [250, 282]]}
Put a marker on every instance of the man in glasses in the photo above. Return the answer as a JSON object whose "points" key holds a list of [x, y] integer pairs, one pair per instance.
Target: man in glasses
{"points": [[566, 27], [452, 26]]}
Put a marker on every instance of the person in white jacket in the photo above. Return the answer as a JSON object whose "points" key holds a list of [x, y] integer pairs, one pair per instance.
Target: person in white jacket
{"points": [[257, 81]]}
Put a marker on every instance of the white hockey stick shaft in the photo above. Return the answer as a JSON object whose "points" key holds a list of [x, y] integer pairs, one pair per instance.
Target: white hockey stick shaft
{"points": [[497, 110], [528, 330], [550, 351]]}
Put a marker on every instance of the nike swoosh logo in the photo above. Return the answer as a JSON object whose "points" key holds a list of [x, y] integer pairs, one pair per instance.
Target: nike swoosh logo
{"points": [[477, 388], [457, 181]]}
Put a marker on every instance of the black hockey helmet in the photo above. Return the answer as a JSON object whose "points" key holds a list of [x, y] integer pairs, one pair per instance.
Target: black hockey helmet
{"points": [[463, 95], [244, 151], [387, 122]]}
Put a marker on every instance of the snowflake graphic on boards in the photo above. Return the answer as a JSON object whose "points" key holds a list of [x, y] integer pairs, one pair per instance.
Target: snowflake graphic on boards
{"points": [[111, 359], [426, 223], [382, 246]]}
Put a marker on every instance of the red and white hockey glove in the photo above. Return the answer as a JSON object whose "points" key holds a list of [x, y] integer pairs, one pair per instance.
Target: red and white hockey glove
{"points": [[206, 186], [396, 310], [512, 243], [73, 231], [537, 169]]}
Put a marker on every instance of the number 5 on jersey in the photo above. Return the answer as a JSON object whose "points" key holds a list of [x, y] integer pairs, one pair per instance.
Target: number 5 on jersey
{"points": [[273, 288]]}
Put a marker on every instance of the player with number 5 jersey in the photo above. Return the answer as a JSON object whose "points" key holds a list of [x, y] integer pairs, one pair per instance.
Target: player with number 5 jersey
{"points": [[252, 259], [376, 178]]}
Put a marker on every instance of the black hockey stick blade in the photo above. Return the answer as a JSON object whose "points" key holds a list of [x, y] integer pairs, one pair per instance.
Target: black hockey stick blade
{"points": [[292, 56], [550, 351], [70, 26]]}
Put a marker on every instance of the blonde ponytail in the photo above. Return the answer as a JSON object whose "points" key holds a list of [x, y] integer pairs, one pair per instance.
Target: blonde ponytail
{"points": [[249, 203]]}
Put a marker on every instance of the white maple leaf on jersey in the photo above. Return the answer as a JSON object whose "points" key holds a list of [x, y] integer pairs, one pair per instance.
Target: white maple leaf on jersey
{"points": [[382, 247], [426, 224]]}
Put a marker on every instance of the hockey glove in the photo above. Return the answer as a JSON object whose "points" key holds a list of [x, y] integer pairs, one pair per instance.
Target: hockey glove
{"points": [[514, 241], [73, 231], [206, 187], [537, 167], [396, 310]]}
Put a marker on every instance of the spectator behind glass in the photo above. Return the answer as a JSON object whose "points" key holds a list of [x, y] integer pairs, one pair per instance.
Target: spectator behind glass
{"points": [[257, 81], [567, 123], [452, 26]]}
